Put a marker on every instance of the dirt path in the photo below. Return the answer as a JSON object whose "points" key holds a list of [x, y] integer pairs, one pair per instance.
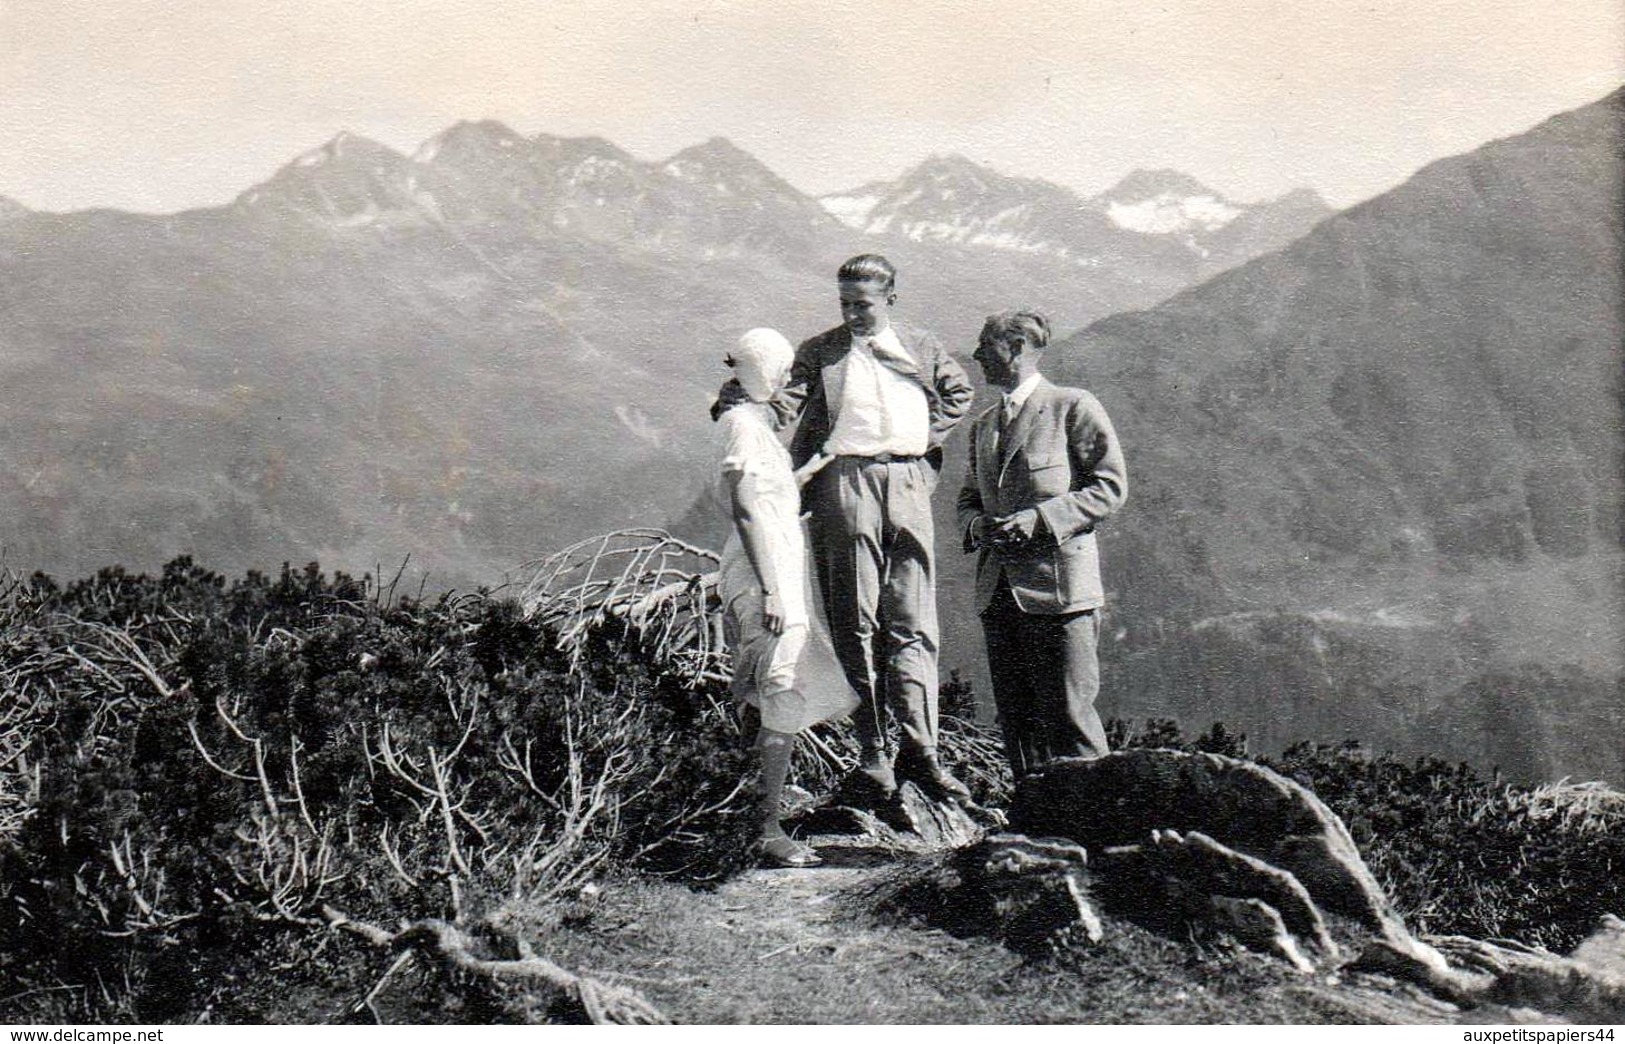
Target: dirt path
{"points": [[819, 946]]}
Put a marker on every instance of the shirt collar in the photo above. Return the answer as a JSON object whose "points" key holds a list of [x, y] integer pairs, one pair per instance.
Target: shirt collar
{"points": [[1019, 394], [888, 339]]}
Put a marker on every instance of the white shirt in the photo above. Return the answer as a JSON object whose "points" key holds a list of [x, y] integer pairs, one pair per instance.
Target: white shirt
{"points": [[1010, 404], [1015, 398], [876, 409]]}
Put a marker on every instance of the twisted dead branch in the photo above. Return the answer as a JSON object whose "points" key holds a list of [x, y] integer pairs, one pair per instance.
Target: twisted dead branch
{"points": [[645, 587], [455, 947], [661, 590]]}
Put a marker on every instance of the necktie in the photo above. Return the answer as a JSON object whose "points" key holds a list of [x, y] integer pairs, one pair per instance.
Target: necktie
{"points": [[1007, 412]]}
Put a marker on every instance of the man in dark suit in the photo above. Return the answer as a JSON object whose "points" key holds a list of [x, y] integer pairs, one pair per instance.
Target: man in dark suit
{"points": [[875, 405], [1045, 469]]}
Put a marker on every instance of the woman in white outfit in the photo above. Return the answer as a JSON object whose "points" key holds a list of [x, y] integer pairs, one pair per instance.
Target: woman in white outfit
{"points": [[783, 663]]}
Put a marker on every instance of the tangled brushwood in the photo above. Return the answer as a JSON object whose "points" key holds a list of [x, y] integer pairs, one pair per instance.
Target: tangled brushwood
{"points": [[280, 779], [188, 763], [185, 760], [640, 596]]}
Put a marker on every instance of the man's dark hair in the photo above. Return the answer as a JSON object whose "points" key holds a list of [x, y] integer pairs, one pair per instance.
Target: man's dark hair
{"points": [[868, 268], [1029, 326]]}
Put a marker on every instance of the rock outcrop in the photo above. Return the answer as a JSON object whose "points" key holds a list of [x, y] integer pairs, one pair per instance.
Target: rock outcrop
{"points": [[1119, 799], [909, 822], [1182, 839], [1033, 895], [1193, 878], [1588, 985]]}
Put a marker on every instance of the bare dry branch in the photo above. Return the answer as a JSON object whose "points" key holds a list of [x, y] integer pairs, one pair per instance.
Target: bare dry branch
{"points": [[210, 760], [603, 1003], [448, 814], [659, 587]]}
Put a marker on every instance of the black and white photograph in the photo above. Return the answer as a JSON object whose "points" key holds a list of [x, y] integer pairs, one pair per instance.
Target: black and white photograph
{"points": [[763, 512]]}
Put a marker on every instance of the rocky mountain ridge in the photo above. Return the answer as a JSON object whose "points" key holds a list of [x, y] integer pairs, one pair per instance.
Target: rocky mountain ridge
{"points": [[371, 354], [1151, 215]]}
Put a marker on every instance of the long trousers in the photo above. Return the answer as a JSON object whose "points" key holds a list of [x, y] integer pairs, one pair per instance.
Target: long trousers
{"points": [[1046, 675], [872, 546]]}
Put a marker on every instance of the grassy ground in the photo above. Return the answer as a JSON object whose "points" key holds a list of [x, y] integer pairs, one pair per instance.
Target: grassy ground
{"points": [[819, 946], [813, 946]]}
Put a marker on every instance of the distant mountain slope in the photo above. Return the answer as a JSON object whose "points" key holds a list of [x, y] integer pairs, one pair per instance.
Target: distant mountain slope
{"points": [[1162, 227], [471, 354], [1377, 475]]}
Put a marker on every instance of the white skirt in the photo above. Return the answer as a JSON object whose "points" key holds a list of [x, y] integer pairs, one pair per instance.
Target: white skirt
{"points": [[793, 679]]}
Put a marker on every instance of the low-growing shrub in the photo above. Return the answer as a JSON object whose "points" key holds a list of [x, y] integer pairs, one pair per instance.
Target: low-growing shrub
{"points": [[1462, 854], [1459, 853], [190, 765], [191, 760]]}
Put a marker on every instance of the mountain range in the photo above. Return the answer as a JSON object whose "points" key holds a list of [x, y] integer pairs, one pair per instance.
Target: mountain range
{"points": [[454, 354], [1375, 455], [1159, 221]]}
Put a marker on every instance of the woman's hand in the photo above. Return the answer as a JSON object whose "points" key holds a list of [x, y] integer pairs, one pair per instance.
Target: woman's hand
{"points": [[772, 612]]}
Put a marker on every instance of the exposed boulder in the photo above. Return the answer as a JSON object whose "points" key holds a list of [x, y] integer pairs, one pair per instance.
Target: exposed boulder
{"points": [[909, 822], [1037, 890], [1258, 925], [1119, 799], [1583, 986], [1178, 879], [1034, 895]]}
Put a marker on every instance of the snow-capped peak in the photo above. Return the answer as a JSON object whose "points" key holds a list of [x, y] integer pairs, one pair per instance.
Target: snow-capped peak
{"points": [[1165, 213], [853, 207], [1162, 202]]}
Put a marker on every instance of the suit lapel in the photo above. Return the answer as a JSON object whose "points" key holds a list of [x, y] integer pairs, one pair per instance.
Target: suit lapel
{"points": [[988, 450], [1022, 424]]}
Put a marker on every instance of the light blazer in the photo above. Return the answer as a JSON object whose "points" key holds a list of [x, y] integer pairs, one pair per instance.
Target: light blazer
{"points": [[947, 390], [1061, 457]]}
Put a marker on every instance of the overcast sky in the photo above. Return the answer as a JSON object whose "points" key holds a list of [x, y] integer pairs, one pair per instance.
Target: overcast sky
{"points": [[157, 105]]}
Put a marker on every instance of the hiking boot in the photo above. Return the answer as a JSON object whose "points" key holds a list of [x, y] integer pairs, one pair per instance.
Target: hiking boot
{"points": [[922, 768], [873, 777]]}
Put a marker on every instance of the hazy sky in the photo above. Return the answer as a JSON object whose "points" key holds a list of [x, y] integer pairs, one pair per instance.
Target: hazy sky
{"points": [[162, 104]]}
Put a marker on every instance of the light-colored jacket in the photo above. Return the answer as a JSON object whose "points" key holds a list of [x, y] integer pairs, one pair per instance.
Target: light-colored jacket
{"points": [[947, 391], [1060, 457]]}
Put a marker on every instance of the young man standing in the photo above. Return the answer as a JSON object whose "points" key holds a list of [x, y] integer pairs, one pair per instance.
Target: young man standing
{"points": [[1045, 468], [878, 403]]}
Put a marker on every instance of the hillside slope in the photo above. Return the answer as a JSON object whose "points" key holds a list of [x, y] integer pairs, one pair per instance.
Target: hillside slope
{"points": [[1380, 470], [471, 355]]}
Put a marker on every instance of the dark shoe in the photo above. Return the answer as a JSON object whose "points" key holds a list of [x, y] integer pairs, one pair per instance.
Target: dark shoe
{"points": [[781, 851], [874, 776], [924, 770]]}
